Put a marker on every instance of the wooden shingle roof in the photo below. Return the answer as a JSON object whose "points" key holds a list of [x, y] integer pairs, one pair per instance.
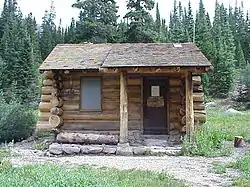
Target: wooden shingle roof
{"points": [[95, 56]]}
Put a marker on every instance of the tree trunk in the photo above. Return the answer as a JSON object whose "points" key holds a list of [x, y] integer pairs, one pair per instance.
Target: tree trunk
{"points": [[87, 138]]}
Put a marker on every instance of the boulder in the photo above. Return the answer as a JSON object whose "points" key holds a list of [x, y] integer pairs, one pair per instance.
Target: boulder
{"points": [[88, 149], [234, 112], [124, 150], [248, 105], [210, 104], [71, 149], [55, 149], [109, 150], [141, 151]]}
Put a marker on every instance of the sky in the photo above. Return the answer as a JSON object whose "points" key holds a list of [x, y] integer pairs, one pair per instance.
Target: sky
{"points": [[65, 12]]}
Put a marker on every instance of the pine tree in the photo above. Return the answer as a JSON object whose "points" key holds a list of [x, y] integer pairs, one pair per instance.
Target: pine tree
{"points": [[18, 53], [158, 19], [223, 75], [97, 21], [48, 32], [141, 27]]}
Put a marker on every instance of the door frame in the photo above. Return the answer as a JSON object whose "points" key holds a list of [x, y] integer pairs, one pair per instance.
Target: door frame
{"points": [[143, 79]]}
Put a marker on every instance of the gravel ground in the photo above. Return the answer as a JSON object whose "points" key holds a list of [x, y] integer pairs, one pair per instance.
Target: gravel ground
{"points": [[195, 171]]}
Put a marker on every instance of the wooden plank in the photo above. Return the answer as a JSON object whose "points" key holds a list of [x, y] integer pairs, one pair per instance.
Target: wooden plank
{"points": [[123, 109], [189, 105]]}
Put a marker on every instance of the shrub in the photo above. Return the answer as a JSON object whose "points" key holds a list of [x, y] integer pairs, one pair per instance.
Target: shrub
{"points": [[16, 122]]}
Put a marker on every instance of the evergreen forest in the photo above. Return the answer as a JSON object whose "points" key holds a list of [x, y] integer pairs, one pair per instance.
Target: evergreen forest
{"points": [[225, 41]]}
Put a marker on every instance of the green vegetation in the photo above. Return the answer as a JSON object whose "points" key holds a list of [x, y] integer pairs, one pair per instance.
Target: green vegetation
{"points": [[244, 165], [52, 175], [16, 121], [219, 168], [220, 127]]}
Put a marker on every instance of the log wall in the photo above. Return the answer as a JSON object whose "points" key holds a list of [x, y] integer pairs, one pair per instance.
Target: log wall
{"points": [[108, 118]]}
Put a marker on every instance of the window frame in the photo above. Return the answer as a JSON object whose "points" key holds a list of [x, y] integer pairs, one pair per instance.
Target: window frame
{"points": [[81, 94]]}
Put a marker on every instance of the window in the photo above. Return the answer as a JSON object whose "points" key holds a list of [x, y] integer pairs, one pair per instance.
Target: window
{"points": [[91, 93]]}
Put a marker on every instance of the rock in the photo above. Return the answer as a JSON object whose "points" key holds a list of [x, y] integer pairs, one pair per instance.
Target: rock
{"points": [[248, 105], [210, 104], [88, 149], [169, 152], [55, 149], [155, 142], [234, 112], [124, 150], [141, 151], [109, 150], [71, 149]]}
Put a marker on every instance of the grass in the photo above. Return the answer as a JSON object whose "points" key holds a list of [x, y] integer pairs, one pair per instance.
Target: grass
{"points": [[53, 176], [219, 168], [61, 176], [244, 165], [220, 127]]}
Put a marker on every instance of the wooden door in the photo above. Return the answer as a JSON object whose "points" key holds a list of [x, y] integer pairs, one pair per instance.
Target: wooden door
{"points": [[155, 106]]}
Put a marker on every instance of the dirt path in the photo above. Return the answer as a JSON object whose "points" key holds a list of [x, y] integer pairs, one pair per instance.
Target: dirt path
{"points": [[196, 171]]}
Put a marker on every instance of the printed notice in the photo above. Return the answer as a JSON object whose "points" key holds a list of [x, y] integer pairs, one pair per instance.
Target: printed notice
{"points": [[155, 91]]}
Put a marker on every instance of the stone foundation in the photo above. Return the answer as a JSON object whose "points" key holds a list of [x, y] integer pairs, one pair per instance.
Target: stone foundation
{"points": [[123, 150]]}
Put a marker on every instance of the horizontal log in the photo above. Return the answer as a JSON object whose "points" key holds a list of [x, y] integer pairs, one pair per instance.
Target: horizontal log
{"points": [[198, 88], [56, 102], [43, 126], [47, 82], [44, 116], [97, 125], [47, 90], [196, 80], [48, 75], [46, 98], [87, 138], [71, 107], [175, 82], [200, 112], [97, 116], [199, 106], [198, 97], [44, 106], [199, 117]]}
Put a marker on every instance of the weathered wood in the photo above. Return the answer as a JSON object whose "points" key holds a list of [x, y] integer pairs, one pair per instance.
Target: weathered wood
{"points": [[197, 88], [47, 90], [198, 117], [58, 85], [196, 80], [56, 102], [44, 116], [239, 141], [56, 111], [198, 97], [175, 82], [55, 121], [189, 105], [48, 75], [123, 109], [199, 106], [47, 82], [46, 98], [44, 106], [97, 125], [86, 138]]}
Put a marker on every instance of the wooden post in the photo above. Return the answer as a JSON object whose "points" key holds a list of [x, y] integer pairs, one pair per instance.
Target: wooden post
{"points": [[123, 109], [189, 106]]}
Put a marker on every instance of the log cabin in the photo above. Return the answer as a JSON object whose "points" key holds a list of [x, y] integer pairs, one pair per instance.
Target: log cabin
{"points": [[126, 89]]}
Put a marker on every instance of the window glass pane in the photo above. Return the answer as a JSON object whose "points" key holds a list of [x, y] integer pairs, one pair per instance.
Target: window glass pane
{"points": [[91, 93]]}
